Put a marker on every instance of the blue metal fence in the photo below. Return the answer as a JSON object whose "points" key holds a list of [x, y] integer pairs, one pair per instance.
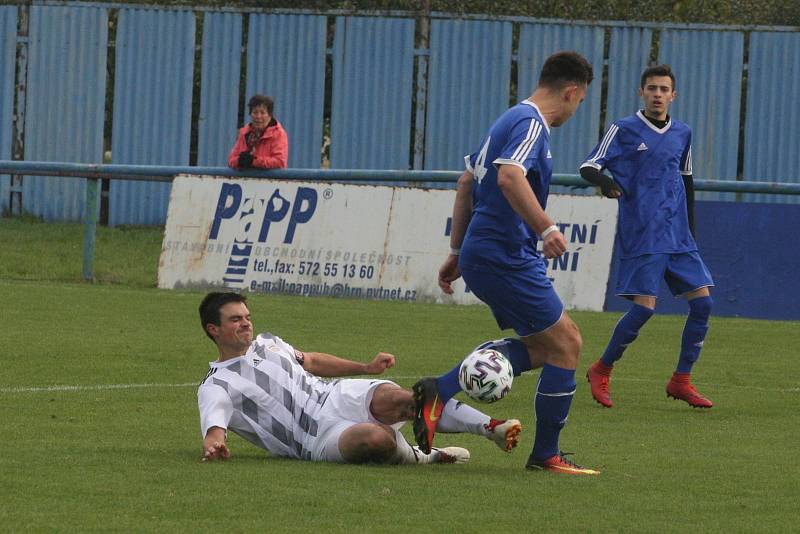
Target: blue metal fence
{"points": [[64, 114], [772, 124], [628, 55], [219, 87], [152, 106], [373, 63], [708, 68], [468, 87], [8, 46], [391, 80]]}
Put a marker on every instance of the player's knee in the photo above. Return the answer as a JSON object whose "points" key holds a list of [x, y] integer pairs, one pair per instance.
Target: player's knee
{"points": [[391, 404], [701, 307], [371, 444]]}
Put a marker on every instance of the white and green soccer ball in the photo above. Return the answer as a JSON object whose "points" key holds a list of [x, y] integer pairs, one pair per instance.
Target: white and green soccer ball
{"points": [[486, 375]]}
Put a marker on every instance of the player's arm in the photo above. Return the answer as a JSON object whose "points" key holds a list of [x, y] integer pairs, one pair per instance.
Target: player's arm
{"points": [[328, 365], [606, 184], [215, 446], [216, 410], [462, 214], [462, 210], [606, 151], [516, 189], [688, 183]]}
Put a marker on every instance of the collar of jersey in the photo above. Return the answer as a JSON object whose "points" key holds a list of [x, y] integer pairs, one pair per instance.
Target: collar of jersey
{"points": [[534, 106], [653, 126], [227, 363]]}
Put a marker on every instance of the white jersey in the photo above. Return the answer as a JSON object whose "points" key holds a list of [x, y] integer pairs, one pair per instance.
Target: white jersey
{"points": [[266, 397]]}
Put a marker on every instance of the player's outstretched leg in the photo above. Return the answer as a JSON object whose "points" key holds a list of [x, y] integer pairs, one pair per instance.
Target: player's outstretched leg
{"points": [[504, 432], [625, 333], [431, 394], [461, 417]]}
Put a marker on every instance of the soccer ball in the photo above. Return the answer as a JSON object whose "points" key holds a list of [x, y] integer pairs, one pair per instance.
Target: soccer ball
{"points": [[486, 375]]}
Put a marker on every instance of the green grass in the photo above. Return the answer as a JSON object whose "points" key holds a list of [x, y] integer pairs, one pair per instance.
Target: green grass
{"points": [[113, 444], [35, 250]]}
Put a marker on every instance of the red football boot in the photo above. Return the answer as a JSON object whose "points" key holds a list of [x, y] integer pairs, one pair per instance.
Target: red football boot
{"points": [[599, 375], [680, 387], [428, 411]]}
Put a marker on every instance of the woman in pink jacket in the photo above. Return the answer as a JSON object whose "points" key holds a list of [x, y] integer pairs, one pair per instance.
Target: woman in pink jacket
{"points": [[262, 143]]}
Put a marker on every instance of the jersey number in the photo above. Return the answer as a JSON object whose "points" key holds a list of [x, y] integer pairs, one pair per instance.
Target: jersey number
{"points": [[479, 168]]}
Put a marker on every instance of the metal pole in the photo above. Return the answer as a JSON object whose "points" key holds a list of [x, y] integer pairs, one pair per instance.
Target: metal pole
{"points": [[90, 227]]}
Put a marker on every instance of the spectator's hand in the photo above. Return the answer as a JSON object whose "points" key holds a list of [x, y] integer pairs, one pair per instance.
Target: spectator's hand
{"points": [[554, 245], [216, 450], [380, 363], [449, 273], [245, 160]]}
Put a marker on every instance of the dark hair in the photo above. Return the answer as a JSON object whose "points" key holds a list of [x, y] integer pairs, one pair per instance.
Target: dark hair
{"points": [[209, 308], [657, 70], [261, 100], [565, 68]]}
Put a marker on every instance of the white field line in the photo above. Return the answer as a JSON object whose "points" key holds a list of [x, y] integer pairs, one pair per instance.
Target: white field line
{"points": [[104, 387]]}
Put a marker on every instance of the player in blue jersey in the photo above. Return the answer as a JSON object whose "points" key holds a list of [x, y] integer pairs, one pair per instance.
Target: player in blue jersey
{"points": [[498, 219], [649, 155]]}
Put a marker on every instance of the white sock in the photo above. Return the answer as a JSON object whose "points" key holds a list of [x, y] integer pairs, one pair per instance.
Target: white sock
{"points": [[460, 417], [406, 454]]}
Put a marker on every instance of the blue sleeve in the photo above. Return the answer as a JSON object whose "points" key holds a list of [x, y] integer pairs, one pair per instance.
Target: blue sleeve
{"points": [[519, 148], [608, 149]]}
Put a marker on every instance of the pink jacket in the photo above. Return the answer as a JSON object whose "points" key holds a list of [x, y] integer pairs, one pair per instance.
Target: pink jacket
{"points": [[270, 152]]}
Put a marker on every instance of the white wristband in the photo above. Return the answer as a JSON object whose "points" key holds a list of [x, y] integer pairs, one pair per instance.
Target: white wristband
{"points": [[455, 251], [550, 229]]}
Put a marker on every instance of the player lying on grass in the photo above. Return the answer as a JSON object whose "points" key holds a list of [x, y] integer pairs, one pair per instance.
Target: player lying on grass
{"points": [[271, 394]]}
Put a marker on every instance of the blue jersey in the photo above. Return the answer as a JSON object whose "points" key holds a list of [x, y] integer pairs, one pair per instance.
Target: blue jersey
{"points": [[497, 237], [647, 163]]}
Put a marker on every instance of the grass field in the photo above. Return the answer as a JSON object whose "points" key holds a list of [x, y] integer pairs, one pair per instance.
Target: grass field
{"points": [[98, 403]]}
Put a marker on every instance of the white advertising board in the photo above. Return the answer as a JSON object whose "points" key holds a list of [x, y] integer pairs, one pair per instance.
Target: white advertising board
{"points": [[357, 241]]}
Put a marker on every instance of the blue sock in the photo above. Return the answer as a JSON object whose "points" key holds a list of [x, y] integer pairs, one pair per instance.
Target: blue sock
{"points": [[512, 348], [626, 331], [553, 398], [694, 333], [448, 384]]}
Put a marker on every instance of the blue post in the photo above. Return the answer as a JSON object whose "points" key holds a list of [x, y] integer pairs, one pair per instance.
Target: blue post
{"points": [[90, 227]]}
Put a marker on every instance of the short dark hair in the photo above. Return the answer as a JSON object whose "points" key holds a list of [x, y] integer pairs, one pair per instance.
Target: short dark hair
{"points": [[565, 68], [657, 70], [261, 100], [209, 308]]}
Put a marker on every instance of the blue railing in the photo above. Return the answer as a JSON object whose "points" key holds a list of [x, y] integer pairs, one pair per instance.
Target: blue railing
{"points": [[166, 173]]}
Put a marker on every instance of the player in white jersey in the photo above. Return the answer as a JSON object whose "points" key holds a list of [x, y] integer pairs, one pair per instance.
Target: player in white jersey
{"points": [[271, 394]]}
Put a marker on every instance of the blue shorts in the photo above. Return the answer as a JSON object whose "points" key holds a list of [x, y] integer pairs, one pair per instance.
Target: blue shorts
{"points": [[642, 275], [520, 299]]}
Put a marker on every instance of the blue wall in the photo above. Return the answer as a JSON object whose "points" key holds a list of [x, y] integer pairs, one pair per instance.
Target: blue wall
{"points": [[753, 252], [384, 92]]}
